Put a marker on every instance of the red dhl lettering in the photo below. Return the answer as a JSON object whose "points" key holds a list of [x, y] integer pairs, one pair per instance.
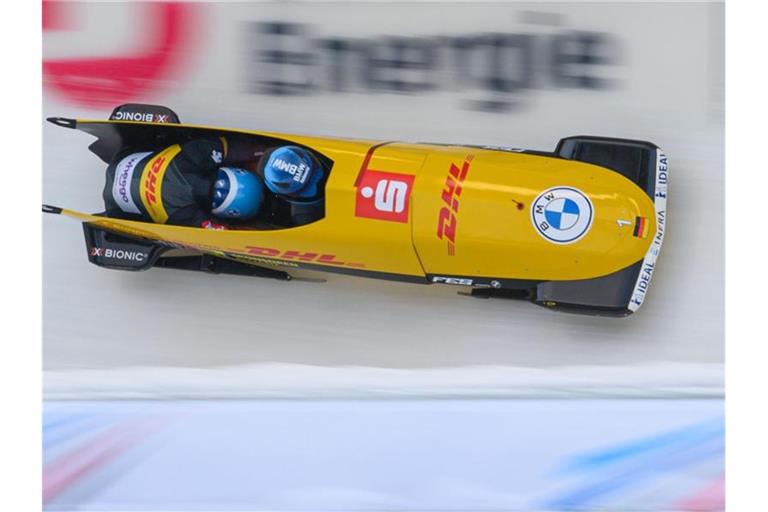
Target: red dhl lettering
{"points": [[306, 256], [329, 259], [447, 220], [262, 251], [446, 225], [150, 182], [309, 257], [157, 164]]}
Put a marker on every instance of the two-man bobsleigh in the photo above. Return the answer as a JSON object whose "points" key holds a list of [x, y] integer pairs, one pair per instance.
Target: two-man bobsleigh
{"points": [[578, 229]]}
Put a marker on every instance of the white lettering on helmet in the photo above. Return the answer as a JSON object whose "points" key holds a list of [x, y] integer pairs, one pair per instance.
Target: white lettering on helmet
{"points": [[299, 172]]}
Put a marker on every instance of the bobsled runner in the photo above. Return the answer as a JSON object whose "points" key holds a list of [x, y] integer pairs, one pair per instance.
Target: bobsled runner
{"points": [[577, 229]]}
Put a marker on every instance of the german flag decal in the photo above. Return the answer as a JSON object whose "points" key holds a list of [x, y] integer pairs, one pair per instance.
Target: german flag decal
{"points": [[641, 227]]}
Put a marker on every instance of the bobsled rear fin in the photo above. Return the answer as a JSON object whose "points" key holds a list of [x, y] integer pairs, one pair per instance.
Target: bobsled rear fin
{"points": [[123, 252], [633, 159], [144, 113], [120, 252]]}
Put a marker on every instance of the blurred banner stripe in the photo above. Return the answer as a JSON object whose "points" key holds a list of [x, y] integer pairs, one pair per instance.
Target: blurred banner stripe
{"points": [[709, 497], [65, 471], [354, 455]]}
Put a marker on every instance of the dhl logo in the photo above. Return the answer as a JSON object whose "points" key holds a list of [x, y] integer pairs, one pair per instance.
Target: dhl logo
{"points": [[152, 182], [308, 257], [447, 218]]}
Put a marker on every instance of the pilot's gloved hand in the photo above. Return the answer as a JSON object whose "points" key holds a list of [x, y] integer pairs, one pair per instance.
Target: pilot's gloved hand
{"points": [[209, 224]]}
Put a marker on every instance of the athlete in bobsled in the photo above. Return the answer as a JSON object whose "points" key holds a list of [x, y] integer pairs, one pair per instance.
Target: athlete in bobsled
{"points": [[206, 182]]}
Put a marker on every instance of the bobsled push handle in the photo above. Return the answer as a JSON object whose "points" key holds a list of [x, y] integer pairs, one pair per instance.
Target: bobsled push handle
{"points": [[143, 113], [62, 121], [51, 209]]}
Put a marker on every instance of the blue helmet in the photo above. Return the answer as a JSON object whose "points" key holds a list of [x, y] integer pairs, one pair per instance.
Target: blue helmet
{"points": [[237, 194], [292, 171]]}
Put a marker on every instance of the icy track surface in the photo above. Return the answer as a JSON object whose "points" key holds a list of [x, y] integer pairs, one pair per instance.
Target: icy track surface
{"points": [[101, 319], [95, 318]]}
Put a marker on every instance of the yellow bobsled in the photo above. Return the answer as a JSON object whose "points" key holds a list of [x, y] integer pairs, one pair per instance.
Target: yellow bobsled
{"points": [[577, 229]]}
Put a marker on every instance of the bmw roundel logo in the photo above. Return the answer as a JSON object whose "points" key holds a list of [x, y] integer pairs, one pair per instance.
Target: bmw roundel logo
{"points": [[562, 214]]}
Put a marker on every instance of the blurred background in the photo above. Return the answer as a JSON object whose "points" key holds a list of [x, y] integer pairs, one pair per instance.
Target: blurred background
{"points": [[177, 391]]}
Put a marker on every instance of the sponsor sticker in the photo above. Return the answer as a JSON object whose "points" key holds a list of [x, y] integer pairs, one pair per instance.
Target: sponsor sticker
{"points": [[384, 196], [298, 256], [562, 215], [118, 254], [447, 219], [144, 117], [462, 281], [150, 187], [649, 262], [121, 185]]}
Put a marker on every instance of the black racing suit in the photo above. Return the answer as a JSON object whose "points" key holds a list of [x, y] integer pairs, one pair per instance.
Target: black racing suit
{"points": [[170, 186]]}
